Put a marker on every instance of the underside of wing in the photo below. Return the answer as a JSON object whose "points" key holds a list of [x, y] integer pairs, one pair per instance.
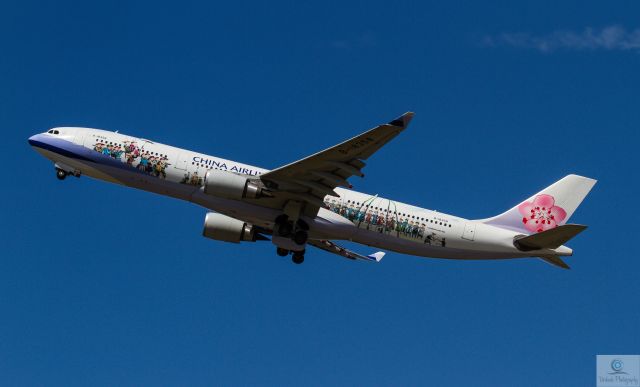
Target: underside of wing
{"points": [[310, 179], [331, 247]]}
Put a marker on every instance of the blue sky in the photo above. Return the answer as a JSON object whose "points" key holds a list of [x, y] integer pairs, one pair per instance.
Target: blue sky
{"points": [[103, 285]]}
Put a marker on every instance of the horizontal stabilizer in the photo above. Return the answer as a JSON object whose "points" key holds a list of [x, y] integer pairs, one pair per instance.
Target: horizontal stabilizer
{"points": [[550, 239], [555, 261]]}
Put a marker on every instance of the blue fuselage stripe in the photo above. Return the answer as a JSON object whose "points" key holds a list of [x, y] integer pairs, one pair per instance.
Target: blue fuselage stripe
{"points": [[58, 150]]}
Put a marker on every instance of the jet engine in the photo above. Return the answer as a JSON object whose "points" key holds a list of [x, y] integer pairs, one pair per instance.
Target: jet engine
{"points": [[224, 228], [231, 186]]}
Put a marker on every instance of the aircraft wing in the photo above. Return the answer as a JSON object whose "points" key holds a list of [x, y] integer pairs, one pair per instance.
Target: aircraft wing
{"points": [[331, 247], [311, 179]]}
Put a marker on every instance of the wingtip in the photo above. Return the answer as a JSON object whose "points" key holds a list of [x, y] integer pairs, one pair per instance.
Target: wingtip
{"points": [[403, 121], [377, 256]]}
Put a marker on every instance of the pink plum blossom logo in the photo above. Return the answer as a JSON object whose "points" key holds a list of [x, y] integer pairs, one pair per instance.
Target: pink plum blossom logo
{"points": [[541, 214]]}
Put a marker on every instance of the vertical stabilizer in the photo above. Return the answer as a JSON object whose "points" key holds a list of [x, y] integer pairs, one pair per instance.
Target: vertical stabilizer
{"points": [[549, 208]]}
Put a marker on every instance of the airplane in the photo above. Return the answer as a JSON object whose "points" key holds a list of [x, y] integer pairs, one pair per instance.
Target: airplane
{"points": [[310, 203]]}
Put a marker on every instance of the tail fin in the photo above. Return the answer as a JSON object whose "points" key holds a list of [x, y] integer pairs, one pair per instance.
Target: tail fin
{"points": [[549, 208]]}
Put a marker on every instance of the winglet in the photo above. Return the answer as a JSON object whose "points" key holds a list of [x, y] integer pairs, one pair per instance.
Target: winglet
{"points": [[402, 121], [376, 256]]}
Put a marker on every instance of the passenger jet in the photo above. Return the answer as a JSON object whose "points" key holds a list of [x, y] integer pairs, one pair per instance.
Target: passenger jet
{"points": [[310, 202]]}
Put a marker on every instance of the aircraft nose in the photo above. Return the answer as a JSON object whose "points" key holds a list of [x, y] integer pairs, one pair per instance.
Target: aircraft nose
{"points": [[39, 140], [33, 139]]}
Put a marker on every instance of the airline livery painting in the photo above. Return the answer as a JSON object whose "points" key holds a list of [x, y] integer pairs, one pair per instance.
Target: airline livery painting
{"points": [[130, 154], [309, 203], [387, 220]]}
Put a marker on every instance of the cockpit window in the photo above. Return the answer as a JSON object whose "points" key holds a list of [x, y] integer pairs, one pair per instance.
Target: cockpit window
{"points": [[50, 131], [53, 131]]}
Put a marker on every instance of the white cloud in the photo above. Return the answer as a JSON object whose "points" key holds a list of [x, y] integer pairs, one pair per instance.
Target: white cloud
{"points": [[612, 37]]}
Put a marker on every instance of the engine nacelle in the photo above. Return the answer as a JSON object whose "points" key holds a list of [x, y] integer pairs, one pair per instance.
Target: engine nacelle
{"points": [[224, 228], [230, 186]]}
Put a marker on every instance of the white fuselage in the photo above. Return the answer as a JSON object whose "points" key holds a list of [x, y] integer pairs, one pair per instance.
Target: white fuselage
{"points": [[354, 216]]}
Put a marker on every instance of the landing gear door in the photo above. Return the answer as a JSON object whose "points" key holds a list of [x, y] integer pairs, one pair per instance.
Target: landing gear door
{"points": [[469, 231]]}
